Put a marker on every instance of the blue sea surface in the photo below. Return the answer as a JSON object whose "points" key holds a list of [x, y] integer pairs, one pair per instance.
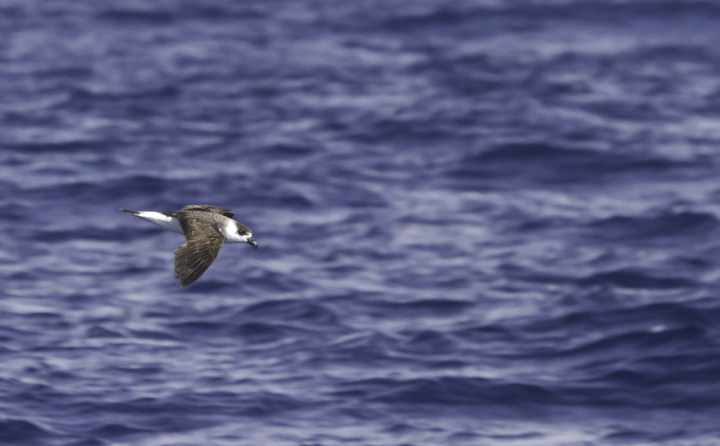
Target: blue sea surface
{"points": [[486, 222]]}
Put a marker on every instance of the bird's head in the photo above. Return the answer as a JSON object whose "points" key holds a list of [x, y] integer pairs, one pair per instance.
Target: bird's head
{"points": [[245, 235]]}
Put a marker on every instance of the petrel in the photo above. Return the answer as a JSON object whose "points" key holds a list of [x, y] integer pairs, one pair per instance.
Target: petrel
{"points": [[205, 228]]}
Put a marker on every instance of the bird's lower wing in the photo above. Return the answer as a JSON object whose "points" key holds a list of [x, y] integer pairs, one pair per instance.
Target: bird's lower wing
{"points": [[194, 257]]}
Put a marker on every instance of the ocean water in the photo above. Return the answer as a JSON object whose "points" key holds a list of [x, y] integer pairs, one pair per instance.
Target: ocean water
{"points": [[480, 223]]}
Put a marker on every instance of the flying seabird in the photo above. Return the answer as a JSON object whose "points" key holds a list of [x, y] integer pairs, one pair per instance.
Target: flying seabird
{"points": [[205, 228]]}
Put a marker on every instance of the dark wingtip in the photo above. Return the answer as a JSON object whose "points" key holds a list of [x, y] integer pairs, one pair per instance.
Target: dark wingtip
{"points": [[129, 212]]}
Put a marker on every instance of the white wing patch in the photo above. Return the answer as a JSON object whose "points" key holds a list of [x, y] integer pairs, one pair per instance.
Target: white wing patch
{"points": [[162, 220]]}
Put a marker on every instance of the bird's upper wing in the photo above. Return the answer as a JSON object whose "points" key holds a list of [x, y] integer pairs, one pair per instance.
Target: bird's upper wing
{"points": [[193, 258], [208, 208]]}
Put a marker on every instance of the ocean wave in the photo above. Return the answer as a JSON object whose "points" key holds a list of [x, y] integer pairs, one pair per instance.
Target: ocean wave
{"points": [[488, 223], [680, 225], [18, 431]]}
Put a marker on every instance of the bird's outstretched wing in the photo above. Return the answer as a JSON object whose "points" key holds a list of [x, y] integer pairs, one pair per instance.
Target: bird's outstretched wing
{"points": [[208, 208], [193, 258]]}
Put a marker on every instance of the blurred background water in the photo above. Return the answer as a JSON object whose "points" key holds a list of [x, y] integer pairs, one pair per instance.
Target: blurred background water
{"points": [[480, 222]]}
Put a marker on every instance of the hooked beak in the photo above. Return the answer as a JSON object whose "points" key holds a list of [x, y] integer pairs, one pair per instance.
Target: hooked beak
{"points": [[252, 242]]}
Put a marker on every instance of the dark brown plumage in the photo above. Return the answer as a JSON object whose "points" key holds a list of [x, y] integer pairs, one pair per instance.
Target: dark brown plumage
{"points": [[193, 258]]}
